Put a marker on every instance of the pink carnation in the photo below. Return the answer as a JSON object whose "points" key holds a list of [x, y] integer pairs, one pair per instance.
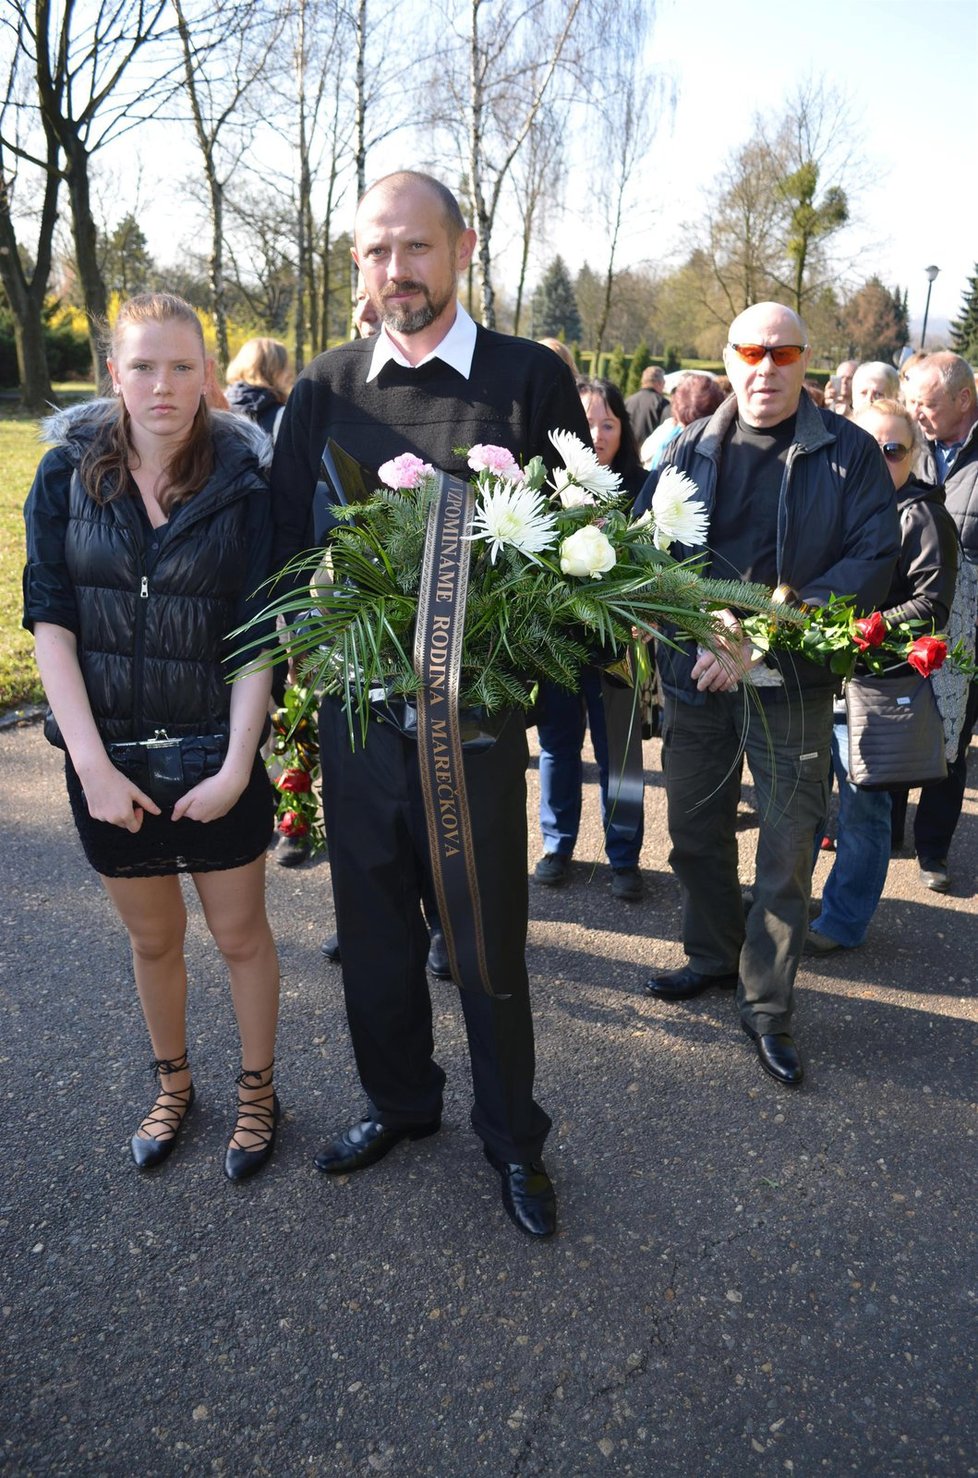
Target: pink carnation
{"points": [[405, 471], [495, 459]]}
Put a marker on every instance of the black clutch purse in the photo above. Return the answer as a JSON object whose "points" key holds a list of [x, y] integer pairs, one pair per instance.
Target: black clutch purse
{"points": [[165, 768]]}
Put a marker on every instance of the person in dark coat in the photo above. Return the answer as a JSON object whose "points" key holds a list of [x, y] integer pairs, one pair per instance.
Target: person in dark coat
{"points": [[258, 382], [148, 531], [794, 496], [649, 406], [563, 717], [942, 398], [922, 590]]}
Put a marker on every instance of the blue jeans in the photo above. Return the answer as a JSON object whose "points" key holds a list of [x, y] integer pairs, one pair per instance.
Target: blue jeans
{"points": [[862, 854], [564, 718]]}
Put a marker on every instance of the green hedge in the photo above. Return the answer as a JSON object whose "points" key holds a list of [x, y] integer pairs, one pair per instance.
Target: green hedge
{"points": [[68, 354]]}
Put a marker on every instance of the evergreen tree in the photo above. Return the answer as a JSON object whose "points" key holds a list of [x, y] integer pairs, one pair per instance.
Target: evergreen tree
{"points": [[124, 258], [964, 330], [616, 367], [874, 323], [641, 360], [555, 313]]}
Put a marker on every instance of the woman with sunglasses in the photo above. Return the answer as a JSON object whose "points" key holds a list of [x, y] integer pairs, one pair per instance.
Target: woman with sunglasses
{"points": [[922, 590]]}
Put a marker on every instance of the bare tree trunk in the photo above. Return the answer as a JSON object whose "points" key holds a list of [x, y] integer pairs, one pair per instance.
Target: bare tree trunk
{"points": [[86, 247], [26, 295], [304, 187], [215, 191], [483, 222], [360, 129], [218, 283], [521, 284]]}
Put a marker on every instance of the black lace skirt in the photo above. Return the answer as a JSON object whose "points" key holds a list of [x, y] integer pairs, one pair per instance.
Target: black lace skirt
{"points": [[162, 846]]}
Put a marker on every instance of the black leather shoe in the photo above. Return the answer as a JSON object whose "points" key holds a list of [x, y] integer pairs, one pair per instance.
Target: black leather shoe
{"points": [[779, 1057], [528, 1195], [331, 949], [935, 876], [365, 1143], [682, 985], [438, 965]]}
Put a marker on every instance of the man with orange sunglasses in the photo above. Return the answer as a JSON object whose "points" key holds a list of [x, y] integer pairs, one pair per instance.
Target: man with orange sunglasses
{"points": [[796, 496]]}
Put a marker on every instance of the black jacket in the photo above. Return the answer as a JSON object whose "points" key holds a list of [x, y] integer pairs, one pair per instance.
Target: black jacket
{"points": [[837, 533], [256, 402], [150, 609], [927, 565], [960, 489]]}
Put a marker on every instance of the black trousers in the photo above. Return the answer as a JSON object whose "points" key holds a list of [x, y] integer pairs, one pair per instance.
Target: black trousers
{"points": [[379, 859], [939, 806]]}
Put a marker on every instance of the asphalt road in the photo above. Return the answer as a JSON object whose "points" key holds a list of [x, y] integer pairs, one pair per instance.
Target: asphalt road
{"points": [[746, 1279]]}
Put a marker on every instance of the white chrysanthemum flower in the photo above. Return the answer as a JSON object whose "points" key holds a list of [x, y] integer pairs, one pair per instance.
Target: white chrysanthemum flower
{"points": [[570, 495], [512, 513], [583, 467], [678, 512]]}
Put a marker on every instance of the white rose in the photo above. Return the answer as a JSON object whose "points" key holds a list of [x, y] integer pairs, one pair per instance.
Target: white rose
{"points": [[587, 552]]}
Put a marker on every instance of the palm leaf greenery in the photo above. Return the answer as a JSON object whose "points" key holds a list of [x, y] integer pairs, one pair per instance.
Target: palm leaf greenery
{"points": [[346, 614]]}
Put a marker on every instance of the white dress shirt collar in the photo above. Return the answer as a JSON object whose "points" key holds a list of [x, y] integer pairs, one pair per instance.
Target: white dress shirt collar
{"points": [[455, 349]]}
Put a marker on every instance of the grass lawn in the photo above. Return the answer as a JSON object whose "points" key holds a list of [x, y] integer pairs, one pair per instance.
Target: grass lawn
{"points": [[20, 452]]}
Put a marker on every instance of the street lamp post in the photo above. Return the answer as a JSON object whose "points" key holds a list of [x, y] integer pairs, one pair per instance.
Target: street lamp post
{"points": [[931, 274]]}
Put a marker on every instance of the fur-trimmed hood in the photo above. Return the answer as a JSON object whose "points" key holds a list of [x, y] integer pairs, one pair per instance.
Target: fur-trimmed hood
{"points": [[74, 426]]}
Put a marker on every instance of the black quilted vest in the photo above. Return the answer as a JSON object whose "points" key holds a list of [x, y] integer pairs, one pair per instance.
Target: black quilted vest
{"points": [[152, 647]]}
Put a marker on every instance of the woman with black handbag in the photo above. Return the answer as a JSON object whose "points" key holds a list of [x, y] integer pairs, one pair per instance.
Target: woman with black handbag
{"points": [[148, 533], [921, 591]]}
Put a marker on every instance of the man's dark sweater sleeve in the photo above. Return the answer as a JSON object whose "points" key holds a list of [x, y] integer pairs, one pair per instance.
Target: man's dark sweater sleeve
{"points": [[295, 470], [560, 409]]}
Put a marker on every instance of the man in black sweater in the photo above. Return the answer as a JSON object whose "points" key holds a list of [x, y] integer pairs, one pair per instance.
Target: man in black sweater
{"points": [[430, 383]]}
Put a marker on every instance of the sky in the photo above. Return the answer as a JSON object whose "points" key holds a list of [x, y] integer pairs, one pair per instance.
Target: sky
{"points": [[909, 69]]}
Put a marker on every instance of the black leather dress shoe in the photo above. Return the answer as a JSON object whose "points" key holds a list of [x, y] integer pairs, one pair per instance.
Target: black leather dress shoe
{"points": [[365, 1143], [438, 965], [330, 948], [528, 1195], [682, 985], [779, 1057]]}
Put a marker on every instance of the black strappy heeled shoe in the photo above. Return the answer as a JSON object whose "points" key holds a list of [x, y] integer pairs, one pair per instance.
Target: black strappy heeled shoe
{"points": [[256, 1117], [165, 1119]]}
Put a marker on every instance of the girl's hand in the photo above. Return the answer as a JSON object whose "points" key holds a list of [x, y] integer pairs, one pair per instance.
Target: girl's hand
{"points": [[113, 797], [211, 798]]}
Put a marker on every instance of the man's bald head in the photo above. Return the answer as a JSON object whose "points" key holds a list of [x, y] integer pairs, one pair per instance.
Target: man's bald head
{"points": [[750, 326], [409, 181], [767, 393]]}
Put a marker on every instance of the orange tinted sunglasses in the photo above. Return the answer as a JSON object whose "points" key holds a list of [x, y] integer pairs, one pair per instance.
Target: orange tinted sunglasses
{"points": [[782, 354]]}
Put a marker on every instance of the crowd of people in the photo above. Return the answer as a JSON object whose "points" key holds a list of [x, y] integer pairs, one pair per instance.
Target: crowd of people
{"points": [[154, 519]]}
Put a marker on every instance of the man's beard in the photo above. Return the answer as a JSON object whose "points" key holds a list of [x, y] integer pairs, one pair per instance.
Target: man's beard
{"points": [[412, 320]]}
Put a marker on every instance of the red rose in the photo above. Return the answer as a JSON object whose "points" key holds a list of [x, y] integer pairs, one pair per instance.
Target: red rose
{"points": [[927, 654], [295, 782], [870, 631], [291, 824]]}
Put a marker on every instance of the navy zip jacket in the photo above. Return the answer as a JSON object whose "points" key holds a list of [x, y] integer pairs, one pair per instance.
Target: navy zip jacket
{"points": [[838, 529]]}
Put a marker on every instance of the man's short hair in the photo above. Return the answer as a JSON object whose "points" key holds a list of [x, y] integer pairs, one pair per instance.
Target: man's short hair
{"points": [[451, 210], [651, 376], [954, 373]]}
